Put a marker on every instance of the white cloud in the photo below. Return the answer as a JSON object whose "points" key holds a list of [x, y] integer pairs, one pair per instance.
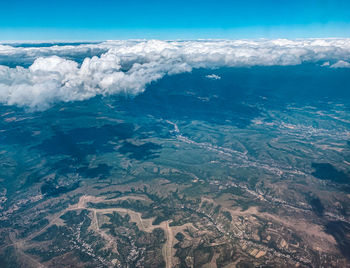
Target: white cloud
{"points": [[341, 64], [55, 74], [213, 77]]}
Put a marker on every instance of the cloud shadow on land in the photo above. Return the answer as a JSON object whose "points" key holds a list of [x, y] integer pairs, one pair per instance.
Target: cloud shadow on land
{"points": [[80, 142]]}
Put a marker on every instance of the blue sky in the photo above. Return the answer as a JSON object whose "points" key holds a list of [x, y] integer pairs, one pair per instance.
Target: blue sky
{"points": [[107, 19]]}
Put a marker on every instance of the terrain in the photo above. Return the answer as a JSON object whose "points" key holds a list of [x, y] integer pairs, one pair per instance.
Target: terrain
{"points": [[249, 170]]}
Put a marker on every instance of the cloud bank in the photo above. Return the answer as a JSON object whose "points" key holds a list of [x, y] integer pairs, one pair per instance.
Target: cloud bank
{"points": [[70, 73]]}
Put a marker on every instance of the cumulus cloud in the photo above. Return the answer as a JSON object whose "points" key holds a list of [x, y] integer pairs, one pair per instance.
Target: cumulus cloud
{"points": [[213, 76], [70, 73], [341, 64]]}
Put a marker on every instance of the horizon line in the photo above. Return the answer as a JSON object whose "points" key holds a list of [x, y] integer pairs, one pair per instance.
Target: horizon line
{"points": [[91, 41]]}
